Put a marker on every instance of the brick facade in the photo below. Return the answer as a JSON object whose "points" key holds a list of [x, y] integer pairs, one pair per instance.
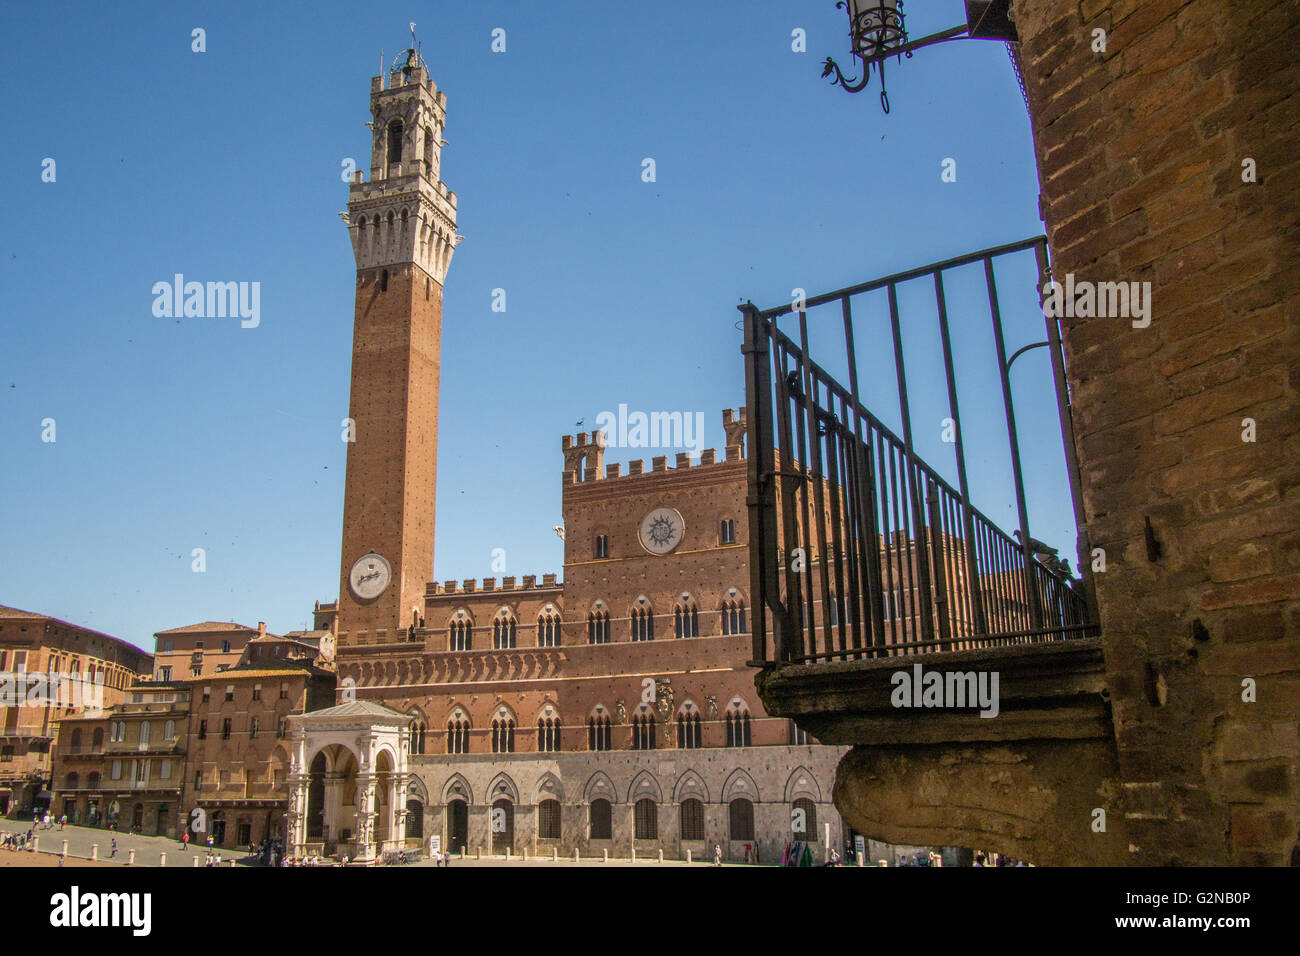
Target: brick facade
{"points": [[36, 643], [1141, 153]]}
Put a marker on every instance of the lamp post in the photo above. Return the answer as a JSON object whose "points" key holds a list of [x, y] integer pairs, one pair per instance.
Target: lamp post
{"points": [[877, 31]]}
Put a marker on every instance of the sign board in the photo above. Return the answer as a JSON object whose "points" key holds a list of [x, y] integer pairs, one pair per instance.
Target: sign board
{"points": [[435, 844]]}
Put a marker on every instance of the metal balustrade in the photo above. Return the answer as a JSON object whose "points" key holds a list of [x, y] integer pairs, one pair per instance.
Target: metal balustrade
{"points": [[858, 547]]}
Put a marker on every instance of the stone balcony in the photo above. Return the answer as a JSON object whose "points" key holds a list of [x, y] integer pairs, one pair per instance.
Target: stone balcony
{"points": [[1046, 691], [1028, 782]]}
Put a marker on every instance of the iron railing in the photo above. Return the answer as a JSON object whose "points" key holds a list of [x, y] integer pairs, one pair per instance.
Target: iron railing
{"points": [[858, 547]]}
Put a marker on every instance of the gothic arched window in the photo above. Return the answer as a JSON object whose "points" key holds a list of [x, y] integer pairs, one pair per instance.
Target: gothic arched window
{"points": [[598, 733], [417, 733], [503, 631], [460, 635], [598, 627], [548, 630], [503, 735], [643, 732], [689, 736], [548, 734], [602, 820], [738, 733], [643, 624], [548, 820], [646, 820], [742, 819], [686, 617], [457, 736], [394, 142], [733, 617], [691, 813]]}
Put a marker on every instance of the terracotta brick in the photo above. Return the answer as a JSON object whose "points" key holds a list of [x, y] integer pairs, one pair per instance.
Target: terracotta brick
{"points": [[1263, 591]]}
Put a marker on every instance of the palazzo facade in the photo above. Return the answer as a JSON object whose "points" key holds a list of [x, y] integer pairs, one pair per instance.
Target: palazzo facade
{"points": [[613, 712]]}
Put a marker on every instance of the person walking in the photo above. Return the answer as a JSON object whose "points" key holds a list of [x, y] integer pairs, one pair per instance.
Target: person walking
{"points": [[185, 841], [113, 849], [717, 854]]}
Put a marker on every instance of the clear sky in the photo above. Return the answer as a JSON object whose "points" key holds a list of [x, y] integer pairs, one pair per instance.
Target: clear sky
{"points": [[226, 166]]}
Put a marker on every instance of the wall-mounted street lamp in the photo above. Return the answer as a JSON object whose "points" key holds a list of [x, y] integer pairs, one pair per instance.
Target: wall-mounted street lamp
{"points": [[877, 31]]}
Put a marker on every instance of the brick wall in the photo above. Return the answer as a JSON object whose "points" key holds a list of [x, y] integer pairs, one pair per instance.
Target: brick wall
{"points": [[392, 466], [1141, 149]]}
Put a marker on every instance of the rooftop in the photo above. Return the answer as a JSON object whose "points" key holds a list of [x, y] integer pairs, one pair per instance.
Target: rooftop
{"points": [[206, 627]]}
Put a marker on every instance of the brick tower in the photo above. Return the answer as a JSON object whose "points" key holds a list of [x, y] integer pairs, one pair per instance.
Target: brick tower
{"points": [[403, 228]]}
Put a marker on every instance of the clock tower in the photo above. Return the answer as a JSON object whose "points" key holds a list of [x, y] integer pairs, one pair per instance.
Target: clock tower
{"points": [[403, 228]]}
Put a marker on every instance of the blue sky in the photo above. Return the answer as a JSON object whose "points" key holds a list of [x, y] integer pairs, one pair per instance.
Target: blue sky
{"points": [[225, 165]]}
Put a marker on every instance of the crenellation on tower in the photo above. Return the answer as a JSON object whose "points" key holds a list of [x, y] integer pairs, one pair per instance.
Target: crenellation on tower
{"points": [[583, 458], [734, 426], [579, 453], [405, 213]]}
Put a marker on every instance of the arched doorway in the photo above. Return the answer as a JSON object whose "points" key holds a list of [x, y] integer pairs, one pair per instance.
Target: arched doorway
{"points": [[414, 820], [457, 826], [137, 818], [503, 826]]}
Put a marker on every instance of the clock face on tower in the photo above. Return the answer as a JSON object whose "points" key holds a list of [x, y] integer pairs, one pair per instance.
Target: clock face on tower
{"points": [[370, 576], [661, 530]]}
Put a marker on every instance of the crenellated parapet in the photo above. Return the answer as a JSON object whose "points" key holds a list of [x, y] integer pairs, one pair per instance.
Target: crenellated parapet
{"points": [[584, 460], [734, 425], [490, 585], [405, 213]]}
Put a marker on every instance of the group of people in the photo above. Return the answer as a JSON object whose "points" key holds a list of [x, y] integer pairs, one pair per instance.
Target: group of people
{"points": [[43, 821], [16, 841], [268, 853]]}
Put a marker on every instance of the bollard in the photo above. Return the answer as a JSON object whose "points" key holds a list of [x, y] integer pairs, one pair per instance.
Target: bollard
{"points": [[462, 852], [605, 855], [661, 855], [36, 843], [555, 854], [130, 856], [196, 859], [633, 857], [478, 853], [94, 851], [162, 858], [525, 852], [688, 856], [576, 858], [507, 853], [64, 852]]}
